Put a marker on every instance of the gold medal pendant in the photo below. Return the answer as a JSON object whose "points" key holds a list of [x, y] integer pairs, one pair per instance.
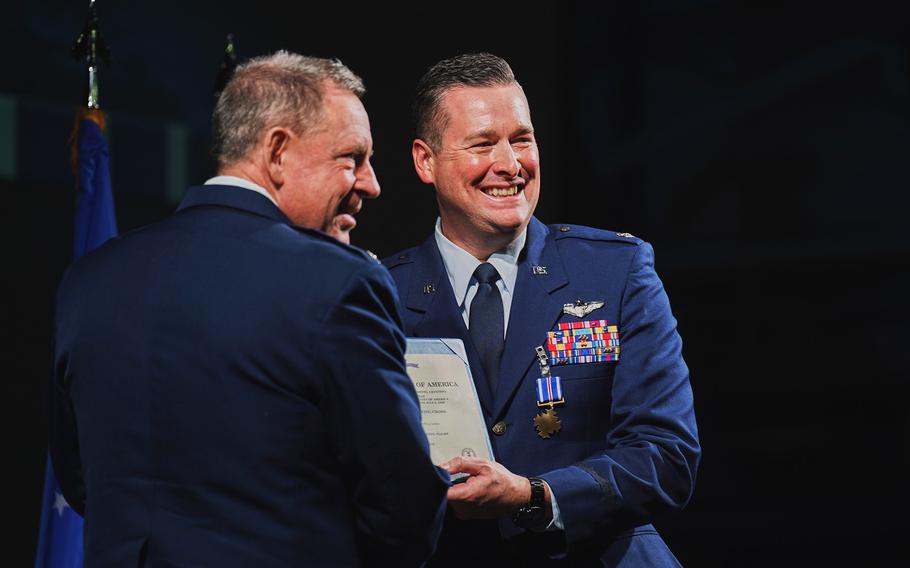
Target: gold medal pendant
{"points": [[547, 423]]}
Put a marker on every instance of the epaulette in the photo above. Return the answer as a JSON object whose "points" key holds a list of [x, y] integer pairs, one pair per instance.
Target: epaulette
{"points": [[404, 257], [357, 251], [590, 233]]}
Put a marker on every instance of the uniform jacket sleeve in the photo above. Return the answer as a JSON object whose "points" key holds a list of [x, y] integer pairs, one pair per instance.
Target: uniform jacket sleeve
{"points": [[651, 451], [64, 438], [373, 413]]}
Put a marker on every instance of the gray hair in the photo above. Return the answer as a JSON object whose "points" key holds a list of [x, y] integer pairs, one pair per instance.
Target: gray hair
{"points": [[282, 89], [469, 70]]}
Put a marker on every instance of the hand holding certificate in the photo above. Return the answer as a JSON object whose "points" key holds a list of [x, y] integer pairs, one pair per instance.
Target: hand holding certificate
{"points": [[450, 409], [454, 424]]}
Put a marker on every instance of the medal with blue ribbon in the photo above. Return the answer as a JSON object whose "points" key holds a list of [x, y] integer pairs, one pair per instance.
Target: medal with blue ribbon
{"points": [[549, 394]]}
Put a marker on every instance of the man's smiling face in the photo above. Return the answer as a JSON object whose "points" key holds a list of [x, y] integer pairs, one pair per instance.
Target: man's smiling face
{"points": [[328, 172], [486, 169]]}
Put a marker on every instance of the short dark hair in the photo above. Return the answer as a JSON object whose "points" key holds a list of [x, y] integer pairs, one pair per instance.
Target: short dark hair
{"points": [[279, 89], [469, 70]]}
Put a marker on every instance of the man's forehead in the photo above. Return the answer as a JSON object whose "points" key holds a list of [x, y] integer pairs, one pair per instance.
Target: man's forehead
{"points": [[343, 128], [480, 96], [343, 111], [471, 109], [344, 103]]}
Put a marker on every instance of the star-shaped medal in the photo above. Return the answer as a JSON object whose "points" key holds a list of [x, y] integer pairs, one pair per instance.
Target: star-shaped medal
{"points": [[547, 423]]}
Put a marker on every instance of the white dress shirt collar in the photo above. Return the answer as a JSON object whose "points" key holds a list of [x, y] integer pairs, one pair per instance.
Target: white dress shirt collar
{"points": [[460, 264], [240, 182]]}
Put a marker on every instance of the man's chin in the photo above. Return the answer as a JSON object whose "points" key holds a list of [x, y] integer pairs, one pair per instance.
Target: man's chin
{"points": [[340, 235], [341, 227], [509, 224]]}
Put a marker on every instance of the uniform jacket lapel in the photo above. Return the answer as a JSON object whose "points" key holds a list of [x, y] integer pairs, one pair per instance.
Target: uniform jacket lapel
{"points": [[435, 314], [535, 309]]}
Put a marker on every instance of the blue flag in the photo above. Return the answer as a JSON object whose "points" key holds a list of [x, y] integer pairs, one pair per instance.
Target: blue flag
{"points": [[60, 540], [95, 220]]}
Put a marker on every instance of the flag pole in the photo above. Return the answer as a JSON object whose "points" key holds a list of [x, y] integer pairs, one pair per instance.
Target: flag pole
{"points": [[227, 67], [90, 45], [91, 48]]}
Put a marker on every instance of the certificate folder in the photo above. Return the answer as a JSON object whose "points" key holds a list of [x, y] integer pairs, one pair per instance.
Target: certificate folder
{"points": [[449, 407]]}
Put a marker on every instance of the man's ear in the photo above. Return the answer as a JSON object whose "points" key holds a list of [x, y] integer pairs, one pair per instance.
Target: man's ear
{"points": [[424, 161], [277, 140]]}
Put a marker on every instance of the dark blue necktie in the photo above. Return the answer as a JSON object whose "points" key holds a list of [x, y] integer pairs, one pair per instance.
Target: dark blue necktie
{"points": [[485, 322]]}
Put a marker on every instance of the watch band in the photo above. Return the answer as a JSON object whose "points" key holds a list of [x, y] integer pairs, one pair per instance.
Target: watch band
{"points": [[533, 514], [538, 494]]}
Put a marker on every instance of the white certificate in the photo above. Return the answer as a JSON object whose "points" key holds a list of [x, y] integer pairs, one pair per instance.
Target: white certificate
{"points": [[449, 407]]}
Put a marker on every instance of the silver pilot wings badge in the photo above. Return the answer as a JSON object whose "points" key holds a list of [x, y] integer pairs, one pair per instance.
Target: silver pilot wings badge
{"points": [[581, 308]]}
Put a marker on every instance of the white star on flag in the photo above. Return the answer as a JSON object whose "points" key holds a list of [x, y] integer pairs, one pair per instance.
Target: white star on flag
{"points": [[60, 503]]}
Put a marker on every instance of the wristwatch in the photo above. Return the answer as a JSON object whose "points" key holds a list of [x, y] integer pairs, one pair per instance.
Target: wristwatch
{"points": [[534, 513]]}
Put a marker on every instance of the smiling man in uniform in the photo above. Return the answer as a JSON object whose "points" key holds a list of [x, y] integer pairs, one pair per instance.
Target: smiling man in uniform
{"points": [[571, 341], [229, 386]]}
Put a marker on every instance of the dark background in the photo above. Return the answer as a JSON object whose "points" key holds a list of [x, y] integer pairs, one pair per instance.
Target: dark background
{"points": [[762, 148]]}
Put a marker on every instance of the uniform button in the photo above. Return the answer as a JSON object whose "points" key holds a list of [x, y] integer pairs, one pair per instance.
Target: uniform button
{"points": [[565, 228], [499, 428]]}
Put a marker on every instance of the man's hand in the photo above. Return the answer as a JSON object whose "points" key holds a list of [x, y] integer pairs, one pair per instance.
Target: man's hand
{"points": [[490, 492]]}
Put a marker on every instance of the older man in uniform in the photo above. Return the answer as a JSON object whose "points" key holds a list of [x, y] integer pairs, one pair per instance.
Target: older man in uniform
{"points": [[230, 387], [571, 341]]}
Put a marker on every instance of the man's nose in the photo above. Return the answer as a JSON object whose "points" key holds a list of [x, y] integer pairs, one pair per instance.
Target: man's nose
{"points": [[506, 159], [367, 183]]}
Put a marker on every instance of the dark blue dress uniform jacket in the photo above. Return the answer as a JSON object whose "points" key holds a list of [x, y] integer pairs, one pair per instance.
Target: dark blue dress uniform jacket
{"points": [[628, 449], [230, 390]]}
